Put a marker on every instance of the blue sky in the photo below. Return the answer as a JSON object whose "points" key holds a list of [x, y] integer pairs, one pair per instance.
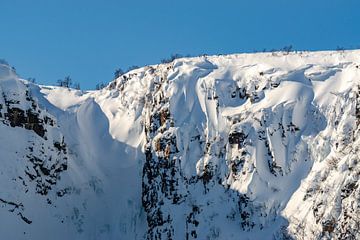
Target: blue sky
{"points": [[88, 39]]}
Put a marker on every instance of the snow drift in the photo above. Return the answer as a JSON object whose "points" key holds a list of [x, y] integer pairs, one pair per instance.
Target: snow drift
{"points": [[248, 146]]}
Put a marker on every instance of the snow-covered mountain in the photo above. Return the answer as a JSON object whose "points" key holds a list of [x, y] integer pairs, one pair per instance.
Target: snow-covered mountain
{"points": [[248, 146]]}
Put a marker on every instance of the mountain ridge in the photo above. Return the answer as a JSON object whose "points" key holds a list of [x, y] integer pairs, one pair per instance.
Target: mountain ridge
{"points": [[212, 147]]}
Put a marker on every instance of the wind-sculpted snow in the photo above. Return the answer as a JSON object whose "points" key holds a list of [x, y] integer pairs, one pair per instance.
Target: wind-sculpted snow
{"points": [[63, 176], [249, 146]]}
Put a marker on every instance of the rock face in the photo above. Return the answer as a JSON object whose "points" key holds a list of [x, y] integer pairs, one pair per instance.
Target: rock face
{"points": [[330, 194], [179, 204], [33, 153], [250, 146]]}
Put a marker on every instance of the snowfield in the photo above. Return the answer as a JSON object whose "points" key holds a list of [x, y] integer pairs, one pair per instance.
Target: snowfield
{"points": [[245, 146]]}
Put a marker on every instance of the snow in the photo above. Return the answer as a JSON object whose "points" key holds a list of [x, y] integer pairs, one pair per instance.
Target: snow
{"points": [[296, 112]]}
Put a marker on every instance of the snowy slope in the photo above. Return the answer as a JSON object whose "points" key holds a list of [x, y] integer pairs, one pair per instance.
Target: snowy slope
{"points": [[249, 146], [74, 181]]}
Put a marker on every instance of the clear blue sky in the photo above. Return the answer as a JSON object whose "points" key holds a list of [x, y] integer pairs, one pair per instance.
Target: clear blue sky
{"points": [[88, 39]]}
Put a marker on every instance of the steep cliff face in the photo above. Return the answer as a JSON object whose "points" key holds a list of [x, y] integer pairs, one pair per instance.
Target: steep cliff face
{"points": [[33, 152], [250, 146], [62, 174], [326, 205]]}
